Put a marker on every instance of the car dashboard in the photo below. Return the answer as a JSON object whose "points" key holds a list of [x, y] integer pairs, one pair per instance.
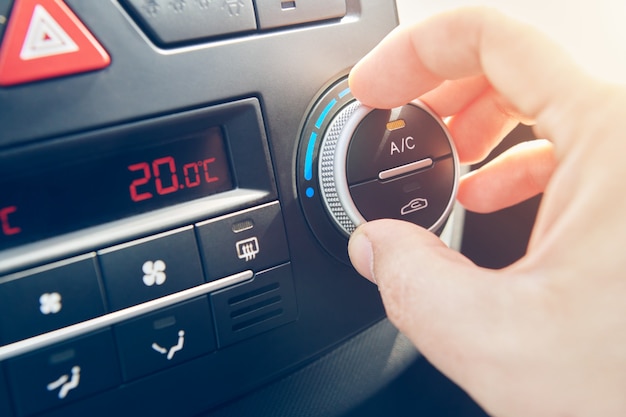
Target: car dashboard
{"points": [[156, 256]]}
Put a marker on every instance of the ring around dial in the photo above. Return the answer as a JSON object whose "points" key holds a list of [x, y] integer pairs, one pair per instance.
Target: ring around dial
{"points": [[332, 168]]}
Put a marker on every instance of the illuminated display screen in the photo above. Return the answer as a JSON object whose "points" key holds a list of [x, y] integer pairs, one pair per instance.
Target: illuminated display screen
{"points": [[68, 196]]}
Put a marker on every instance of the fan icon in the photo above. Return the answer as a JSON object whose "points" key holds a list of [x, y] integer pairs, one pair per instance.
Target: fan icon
{"points": [[50, 303], [154, 273]]}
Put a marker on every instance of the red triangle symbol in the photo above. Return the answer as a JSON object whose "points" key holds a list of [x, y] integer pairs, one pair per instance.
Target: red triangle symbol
{"points": [[45, 39]]}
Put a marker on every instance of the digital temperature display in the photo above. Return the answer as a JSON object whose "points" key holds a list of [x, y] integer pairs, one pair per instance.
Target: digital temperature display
{"points": [[66, 195]]}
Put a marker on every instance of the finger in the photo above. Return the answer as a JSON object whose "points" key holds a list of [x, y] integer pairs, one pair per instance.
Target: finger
{"points": [[523, 66], [373, 82], [452, 96], [478, 128], [433, 294], [481, 117], [519, 173]]}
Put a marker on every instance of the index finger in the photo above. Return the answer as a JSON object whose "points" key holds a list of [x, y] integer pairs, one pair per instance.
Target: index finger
{"points": [[523, 66]]}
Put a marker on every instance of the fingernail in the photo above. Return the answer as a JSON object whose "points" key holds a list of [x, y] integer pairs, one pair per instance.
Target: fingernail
{"points": [[362, 255]]}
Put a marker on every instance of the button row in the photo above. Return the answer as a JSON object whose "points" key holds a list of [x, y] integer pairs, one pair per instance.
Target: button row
{"points": [[177, 21], [136, 348], [69, 292]]}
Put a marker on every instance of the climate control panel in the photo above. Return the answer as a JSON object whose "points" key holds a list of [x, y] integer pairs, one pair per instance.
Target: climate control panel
{"points": [[161, 209], [358, 164]]}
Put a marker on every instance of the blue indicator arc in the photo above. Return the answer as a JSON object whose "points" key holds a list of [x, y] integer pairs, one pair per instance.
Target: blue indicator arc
{"points": [[327, 110], [344, 93], [308, 159]]}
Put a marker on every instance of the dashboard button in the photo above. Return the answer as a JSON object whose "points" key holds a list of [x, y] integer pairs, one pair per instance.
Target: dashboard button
{"points": [[253, 239], [150, 268], [178, 21], [419, 198], [387, 139], [45, 39], [166, 338], [49, 298], [5, 405], [63, 373], [276, 13]]}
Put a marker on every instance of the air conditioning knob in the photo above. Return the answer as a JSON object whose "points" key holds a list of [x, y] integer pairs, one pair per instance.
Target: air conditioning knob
{"points": [[398, 163], [357, 164]]}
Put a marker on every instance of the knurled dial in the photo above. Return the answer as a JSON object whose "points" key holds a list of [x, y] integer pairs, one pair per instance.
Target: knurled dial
{"points": [[361, 164]]}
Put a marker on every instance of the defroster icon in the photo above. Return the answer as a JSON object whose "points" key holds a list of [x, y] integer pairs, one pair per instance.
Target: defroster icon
{"points": [[248, 248]]}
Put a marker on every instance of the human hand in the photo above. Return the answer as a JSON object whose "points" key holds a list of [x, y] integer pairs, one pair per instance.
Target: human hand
{"points": [[545, 336]]}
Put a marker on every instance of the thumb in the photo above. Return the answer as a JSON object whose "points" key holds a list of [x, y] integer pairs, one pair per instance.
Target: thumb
{"points": [[449, 308]]}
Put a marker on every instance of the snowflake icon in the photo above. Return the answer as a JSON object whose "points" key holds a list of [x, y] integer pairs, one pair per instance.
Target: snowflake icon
{"points": [[204, 4], [234, 7], [154, 273], [50, 303], [178, 5], [151, 7]]}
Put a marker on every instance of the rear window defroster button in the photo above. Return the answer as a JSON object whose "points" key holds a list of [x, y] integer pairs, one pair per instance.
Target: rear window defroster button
{"points": [[253, 239]]}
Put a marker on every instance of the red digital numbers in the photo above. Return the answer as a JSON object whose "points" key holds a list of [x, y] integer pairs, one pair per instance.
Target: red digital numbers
{"points": [[7, 228], [134, 195], [156, 168], [196, 175], [166, 179]]}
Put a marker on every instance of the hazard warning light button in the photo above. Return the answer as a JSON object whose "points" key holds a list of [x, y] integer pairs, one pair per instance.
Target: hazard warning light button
{"points": [[44, 39]]}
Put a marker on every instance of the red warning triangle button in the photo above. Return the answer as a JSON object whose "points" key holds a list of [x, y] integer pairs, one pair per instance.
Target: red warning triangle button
{"points": [[45, 39]]}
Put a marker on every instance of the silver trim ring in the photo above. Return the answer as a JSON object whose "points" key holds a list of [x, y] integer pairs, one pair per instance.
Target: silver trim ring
{"points": [[332, 160]]}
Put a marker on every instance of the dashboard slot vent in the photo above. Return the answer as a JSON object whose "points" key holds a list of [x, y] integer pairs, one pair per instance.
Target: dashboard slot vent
{"points": [[266, 302]]}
